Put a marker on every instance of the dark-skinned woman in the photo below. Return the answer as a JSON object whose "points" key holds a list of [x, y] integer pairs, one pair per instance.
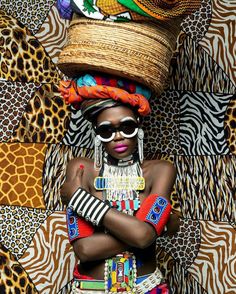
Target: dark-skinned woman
{"points": [[118, 203]]}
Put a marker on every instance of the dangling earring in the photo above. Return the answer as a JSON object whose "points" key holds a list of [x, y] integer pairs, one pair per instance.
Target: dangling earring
{"points": [[140, 144], [97, 153]]}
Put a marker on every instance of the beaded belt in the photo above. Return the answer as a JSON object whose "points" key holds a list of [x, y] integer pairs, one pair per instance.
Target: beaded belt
{"points": [[143, 283]]}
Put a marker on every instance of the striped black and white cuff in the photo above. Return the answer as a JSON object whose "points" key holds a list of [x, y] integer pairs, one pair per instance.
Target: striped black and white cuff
{"points": [[88, 206]]}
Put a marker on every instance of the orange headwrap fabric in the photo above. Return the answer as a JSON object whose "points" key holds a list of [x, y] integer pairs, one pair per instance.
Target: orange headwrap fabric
{"points": [[74, 95]]}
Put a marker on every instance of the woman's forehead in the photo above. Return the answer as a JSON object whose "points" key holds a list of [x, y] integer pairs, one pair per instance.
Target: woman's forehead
{"points": [[115, 114]]}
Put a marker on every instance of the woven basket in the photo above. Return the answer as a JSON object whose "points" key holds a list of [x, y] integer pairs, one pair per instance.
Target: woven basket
{"points": [[134, 50]]}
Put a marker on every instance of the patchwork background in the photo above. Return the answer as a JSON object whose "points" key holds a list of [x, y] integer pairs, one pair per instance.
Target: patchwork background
{"points": [[193, 124]]}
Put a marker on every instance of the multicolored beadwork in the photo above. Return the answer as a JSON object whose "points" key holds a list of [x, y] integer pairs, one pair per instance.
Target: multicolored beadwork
{"points": [[119, 183], [72, 225], [120, 273], [126, 206]]}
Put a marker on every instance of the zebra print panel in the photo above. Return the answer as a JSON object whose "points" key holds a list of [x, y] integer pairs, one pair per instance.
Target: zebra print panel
{"points": [[181, 282], [205, 186], [202, 123], [219, 41], [196, 25], [50, 259], [56, 159], [214, 268], [66, 289], [52, 34], [192, 69], [80, 131]]}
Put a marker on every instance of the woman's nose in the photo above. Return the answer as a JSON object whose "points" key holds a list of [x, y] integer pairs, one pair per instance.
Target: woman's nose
{"points": [[118, 136]]}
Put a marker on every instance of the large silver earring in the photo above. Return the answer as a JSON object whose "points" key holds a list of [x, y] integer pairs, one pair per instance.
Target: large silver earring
{"points": [[140, 144], [97, 153]]}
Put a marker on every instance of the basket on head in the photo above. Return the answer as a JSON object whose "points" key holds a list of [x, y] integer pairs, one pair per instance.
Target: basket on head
{"points": [[139, 51]]}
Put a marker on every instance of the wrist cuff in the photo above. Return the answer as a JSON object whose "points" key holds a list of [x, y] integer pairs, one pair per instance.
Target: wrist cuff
{"points": [[88, 206]]}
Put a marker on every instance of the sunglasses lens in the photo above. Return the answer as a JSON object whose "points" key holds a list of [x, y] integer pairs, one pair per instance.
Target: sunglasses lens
{"points": [[129, 128], [105, 132]]}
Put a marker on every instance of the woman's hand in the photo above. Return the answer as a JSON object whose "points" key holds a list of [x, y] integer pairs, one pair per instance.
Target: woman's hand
{"points": [[72, 183]]}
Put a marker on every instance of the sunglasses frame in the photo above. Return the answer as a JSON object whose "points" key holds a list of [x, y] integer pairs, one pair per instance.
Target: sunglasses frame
{"points": [[117, 129]]}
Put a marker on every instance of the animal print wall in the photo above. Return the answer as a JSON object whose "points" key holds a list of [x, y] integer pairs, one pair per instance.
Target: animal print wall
{"points": [[193, 124]]}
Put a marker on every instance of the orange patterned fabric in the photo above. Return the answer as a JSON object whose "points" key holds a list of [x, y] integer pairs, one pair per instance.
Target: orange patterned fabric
{"points": [[74, 95]]}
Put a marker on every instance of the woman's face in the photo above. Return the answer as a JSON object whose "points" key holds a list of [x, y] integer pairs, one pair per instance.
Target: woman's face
{"points": [[120, 146]]}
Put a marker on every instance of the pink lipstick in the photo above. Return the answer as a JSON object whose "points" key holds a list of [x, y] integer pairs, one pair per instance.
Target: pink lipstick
{"points": [[120, 148]]}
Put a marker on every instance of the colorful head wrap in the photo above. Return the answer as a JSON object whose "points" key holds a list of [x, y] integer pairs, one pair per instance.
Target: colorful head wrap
{"points": [[102, 87], [126, 10]]}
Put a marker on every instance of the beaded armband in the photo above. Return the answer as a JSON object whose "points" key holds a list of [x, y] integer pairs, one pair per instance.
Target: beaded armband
{"points": [[156, 211], [77, 227], [88, 206]]}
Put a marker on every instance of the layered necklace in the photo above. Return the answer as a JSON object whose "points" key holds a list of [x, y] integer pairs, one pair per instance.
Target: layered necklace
{"points": [[120, 182]]}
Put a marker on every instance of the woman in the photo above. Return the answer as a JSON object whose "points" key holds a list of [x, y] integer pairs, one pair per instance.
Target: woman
{"points": [[117, 209]]}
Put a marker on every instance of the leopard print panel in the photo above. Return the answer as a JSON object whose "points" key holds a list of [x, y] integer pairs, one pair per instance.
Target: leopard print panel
{"points": [[230, 125], [46, 118], [161, 127], [23, 58], [30, 13], [197, 24], [18, 225], [14, 98], [14, 279], [184, 245]]}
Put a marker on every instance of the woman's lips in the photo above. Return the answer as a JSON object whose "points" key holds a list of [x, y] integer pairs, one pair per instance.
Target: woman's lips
{"points": [[120, 148]]}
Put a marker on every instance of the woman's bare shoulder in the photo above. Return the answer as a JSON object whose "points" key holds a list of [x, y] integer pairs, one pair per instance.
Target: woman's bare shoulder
{"points": [[160, 175], [159, 166]]}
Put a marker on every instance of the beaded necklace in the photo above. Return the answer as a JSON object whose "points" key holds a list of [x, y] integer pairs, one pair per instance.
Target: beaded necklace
{"points": [[121, 181]]}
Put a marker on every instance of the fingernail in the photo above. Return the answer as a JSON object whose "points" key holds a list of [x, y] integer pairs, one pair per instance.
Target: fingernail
{"points": [[81, 166]]}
